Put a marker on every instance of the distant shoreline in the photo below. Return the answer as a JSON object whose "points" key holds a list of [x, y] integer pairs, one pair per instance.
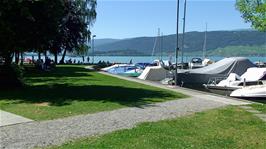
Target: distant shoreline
{"points": [[138, 59]]}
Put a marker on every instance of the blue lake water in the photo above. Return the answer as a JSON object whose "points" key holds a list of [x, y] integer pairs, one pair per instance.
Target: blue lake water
{"points": [[138, 59]]}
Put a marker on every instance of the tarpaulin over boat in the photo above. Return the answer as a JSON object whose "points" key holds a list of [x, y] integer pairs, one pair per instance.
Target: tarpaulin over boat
{"points": [[222, 68]]}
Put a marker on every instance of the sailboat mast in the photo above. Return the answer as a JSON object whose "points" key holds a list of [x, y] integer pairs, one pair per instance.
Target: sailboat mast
{"points": [[161, 46], [183, 36], [177, 48], [155, 43], [205, 42]]}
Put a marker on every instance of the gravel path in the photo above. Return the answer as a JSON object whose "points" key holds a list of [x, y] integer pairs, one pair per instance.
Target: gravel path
{"points": [[56, 132]]}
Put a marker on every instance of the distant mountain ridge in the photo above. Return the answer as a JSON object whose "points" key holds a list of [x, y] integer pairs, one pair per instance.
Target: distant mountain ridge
{"points": [[193, 42], [104, 41]]}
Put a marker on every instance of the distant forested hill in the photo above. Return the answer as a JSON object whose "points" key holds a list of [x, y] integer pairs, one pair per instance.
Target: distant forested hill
{"points": [[239, 51], [193, 42], [99, 42]]}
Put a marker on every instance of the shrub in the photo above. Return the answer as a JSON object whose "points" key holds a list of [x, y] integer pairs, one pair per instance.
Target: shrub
{"points": [[11, 76]]}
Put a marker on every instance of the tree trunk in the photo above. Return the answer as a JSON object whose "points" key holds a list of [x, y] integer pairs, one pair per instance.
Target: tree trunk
{"points": [[45, 55], [63, 58], [8, 59], [17, 57], [22, 59], [39, 55], [10, 78], [55, 58]]}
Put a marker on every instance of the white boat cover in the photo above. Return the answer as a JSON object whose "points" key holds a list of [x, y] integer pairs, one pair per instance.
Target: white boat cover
{"points": [[254, 74], [153, 73], [230, 80]]}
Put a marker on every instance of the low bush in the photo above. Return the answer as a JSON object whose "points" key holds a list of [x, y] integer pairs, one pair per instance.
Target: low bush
{"points": [[11, 76]]}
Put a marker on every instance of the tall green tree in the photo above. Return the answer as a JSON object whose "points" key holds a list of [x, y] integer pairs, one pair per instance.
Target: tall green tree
{"points": [[28, 24], [253, 11], [74, 32]]}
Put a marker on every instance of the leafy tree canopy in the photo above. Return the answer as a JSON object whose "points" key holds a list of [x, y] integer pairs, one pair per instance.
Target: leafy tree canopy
{"points": [[43, 25], [253, 11], [28, 24]]}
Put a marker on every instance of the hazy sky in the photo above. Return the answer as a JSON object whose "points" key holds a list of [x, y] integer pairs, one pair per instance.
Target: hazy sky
{"points": [[135, 18]]}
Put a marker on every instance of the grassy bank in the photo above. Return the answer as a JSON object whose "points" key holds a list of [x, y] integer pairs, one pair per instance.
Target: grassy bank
{"points": [[260, 107], [230, 127], [73, 90]]}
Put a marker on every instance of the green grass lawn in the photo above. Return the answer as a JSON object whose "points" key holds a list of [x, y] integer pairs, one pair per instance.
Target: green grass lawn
{"points": [[229, 127], [73, 90], [260, 107]]}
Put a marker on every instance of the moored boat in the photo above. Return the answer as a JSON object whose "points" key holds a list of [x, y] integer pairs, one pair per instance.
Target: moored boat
{"points": [[253, 76], [198, 77], [156, 73], [251, 92], [124, 69]]}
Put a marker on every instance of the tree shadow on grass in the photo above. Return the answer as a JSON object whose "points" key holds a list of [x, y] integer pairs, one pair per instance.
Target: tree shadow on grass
{"points": [[60, 71], [61, 94]]}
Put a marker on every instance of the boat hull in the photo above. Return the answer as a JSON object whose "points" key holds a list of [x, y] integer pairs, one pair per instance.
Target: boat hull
{"points": [[254, 92], [195, 79], [130, 74], [221, 90]]}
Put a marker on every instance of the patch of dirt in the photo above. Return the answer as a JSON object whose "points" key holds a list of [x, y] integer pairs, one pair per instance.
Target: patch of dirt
{"points": [[42, 104]]}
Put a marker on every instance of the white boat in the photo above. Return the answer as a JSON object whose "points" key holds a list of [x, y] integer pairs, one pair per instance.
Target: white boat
{"points": [[260, 64], [132, 73], [253, 76], [124, 69], [254, 92], [195, 63], [156, 73], [198, 62], [115, 66]]}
